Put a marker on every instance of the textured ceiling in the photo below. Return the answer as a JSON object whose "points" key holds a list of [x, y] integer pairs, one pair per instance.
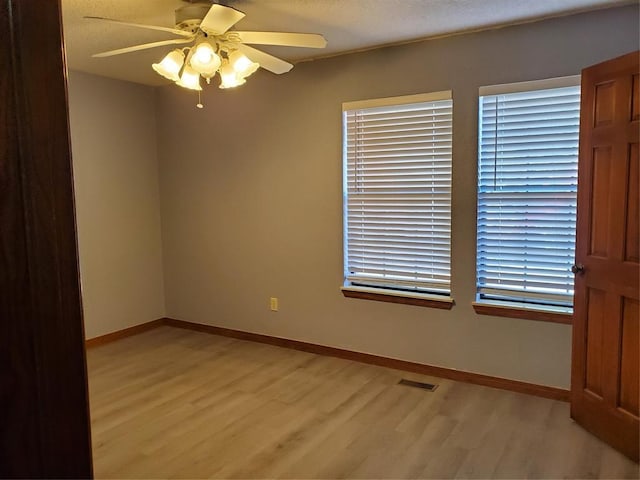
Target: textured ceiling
{"points": [[347, 25]]}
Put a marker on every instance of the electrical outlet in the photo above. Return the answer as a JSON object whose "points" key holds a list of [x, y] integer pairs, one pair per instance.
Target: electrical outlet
{"points": [[274, 304]]}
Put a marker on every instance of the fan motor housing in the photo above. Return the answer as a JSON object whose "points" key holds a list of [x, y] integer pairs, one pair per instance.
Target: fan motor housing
{"points": [[189, 17]]}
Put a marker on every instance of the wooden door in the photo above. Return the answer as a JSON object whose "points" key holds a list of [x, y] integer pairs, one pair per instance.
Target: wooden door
{"points": [[604, 385], [44, 418]]}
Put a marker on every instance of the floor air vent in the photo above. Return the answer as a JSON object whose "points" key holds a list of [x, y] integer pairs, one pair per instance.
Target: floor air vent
{"points": [[425, 386]]}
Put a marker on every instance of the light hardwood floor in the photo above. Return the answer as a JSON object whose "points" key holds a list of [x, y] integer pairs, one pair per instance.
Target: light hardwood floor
{"points": [[172, 403]]}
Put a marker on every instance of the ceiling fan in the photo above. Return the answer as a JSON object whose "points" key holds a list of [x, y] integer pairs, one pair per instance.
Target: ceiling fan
{"points": [[214, 47]]}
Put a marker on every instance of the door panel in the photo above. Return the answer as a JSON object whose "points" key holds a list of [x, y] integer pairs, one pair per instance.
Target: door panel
{"points": [[604, 94], [629, 358], [604, 383], [600, 202], [632, 242], [635, 98], [595, 335]]}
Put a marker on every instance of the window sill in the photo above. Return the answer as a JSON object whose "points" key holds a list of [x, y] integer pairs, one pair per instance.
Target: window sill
{"points": [[541, 314], [392, 296]]}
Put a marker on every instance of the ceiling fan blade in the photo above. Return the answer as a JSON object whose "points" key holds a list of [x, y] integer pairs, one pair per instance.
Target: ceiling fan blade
{"points": [[148, 27], [308, 40], [266, 61], [143, 46], [219, 19]]}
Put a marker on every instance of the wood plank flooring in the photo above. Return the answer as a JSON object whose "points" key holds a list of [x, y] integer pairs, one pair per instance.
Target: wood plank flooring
{"points": [[173, 403]]}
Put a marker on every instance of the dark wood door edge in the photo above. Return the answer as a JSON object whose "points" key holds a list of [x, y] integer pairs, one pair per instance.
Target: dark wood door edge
{"points": [[44, 414]]}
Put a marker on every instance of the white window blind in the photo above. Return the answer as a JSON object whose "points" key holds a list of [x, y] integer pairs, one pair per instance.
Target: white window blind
{"points": [[527, 183], [397, 193]]}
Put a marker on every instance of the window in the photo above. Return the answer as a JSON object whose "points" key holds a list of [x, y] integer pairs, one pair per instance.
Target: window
{"points": [[397, 195], [527, 183]]}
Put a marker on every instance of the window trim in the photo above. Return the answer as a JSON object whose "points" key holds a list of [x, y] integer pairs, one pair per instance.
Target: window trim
{"points": [[506, 308], [397, 101], [539, 313], [396, 296], [545, 84]]}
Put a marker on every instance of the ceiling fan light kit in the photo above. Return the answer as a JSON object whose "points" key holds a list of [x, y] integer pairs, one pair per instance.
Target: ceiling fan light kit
{"points": [[189, 79], [229, 77], [205, 60], [241, 64], [215, 48], [170, 65]]}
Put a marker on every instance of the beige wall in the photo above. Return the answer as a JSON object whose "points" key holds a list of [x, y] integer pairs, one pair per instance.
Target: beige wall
{"points": [[251, 197], [113, 140]]}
